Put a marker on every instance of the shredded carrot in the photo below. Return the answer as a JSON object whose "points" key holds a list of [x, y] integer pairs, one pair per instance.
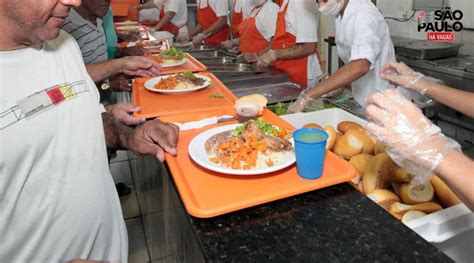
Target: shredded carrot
{"points": [[168, 83]]}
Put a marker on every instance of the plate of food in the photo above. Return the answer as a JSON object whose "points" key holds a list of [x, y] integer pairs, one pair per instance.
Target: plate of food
{"points": [[170, 58], [126, 23], [130, 28], [252, 148], [152, 44], [178, 83]]}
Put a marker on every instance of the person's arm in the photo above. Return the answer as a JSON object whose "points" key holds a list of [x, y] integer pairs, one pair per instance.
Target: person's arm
{"points": [[299, 50], [344, 76], [457, 170], [448, 96], [139, 66], [196, 30], [217, 26], [153, 137], [266, 49], [166, 19], [147, 5]]}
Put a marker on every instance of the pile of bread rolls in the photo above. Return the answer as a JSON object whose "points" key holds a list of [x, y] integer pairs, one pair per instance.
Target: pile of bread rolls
{"points": [[381, 179]]}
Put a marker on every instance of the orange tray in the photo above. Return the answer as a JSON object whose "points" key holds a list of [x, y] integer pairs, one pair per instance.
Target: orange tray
{"points": [[192, 65], [156, 104], [207, 194]]}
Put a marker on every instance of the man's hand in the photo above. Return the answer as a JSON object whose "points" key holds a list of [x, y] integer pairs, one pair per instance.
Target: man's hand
{"points": [[120, 82], [250, 57], [139, 66], [182, 39], [197, 40], [122, 112], [300, 104], [153, 137]]}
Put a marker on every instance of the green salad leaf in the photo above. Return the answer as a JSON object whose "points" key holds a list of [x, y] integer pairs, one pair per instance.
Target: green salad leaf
{"points": [[266, 128], [172, 52], [217, 96], [188, 74]]}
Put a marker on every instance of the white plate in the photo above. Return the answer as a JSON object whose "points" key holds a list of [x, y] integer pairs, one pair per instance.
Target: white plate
{"points": [[159, 45], [128, 28], [126, 23], [150, 85], [178, 63], [198, 153]]}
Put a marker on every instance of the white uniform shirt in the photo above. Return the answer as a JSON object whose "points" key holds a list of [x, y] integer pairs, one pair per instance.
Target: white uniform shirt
{"points": [[220, 7], [302, 19], [91, 38], [57, 198], [266, 19], [180, 9], [362, 33]]}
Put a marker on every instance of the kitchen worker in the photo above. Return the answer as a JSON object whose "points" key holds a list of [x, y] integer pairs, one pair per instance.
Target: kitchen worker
{"points": [[294, 46], [57, 197], [212, 27], [84, 23], [363, 44], [417, 144], [173, 15], [240, 10], [256, 31]]}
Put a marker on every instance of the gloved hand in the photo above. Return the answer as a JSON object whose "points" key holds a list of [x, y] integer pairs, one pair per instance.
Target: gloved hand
{"points": [[182, 38], [229, 44], [401, 75], [122, 112], [412, 140], [250, 57], [267, 59], [197, 39], [301, 103]]}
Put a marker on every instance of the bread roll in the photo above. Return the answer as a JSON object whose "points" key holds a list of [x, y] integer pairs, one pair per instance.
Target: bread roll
{"points": [[365, 139], [345, 126], [379, 148], [416, 194], [332, 137], [251, 105], [348, 145], [360, 161], [446, 197], [312, 125], [398, 209], [376, 172], [400, 176], [253, 98], [382, 195], [412, 215]]}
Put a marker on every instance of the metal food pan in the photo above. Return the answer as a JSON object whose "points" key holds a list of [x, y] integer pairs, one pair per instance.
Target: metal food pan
{"points": [[427, 50]]}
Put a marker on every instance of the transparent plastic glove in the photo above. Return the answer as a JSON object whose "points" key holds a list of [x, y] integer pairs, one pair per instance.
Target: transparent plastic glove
{"points": [[401, 75], [301, 103], [229, 44], [250, 57], [412, 140], [197, 39], [182, 39], [267, 59]]}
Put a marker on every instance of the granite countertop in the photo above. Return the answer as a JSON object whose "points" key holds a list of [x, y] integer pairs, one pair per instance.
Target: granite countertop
{"points": [[335, 224]]}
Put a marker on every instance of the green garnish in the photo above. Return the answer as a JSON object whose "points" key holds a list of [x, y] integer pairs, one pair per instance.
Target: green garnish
{"points": [[280, 109], [266, 128], [218, 96], [188, 74], [173, 52]]}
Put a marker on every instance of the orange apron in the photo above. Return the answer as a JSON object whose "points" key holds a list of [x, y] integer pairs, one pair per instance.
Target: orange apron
{"points": [[206, 17], [170, 27], [296, 68], [237, 18], [251, 40]]}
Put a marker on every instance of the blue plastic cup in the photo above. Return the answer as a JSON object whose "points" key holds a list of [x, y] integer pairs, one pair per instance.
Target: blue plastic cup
{"points": [[310, 149]]}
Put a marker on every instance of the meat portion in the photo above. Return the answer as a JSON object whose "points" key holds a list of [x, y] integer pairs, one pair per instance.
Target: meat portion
{"points": [[212, 143], [192, 80], [251, 128], [277, 144]]}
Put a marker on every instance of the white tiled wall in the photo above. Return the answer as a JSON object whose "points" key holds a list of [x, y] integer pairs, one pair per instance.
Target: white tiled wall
{"points": [[402, 8]]}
